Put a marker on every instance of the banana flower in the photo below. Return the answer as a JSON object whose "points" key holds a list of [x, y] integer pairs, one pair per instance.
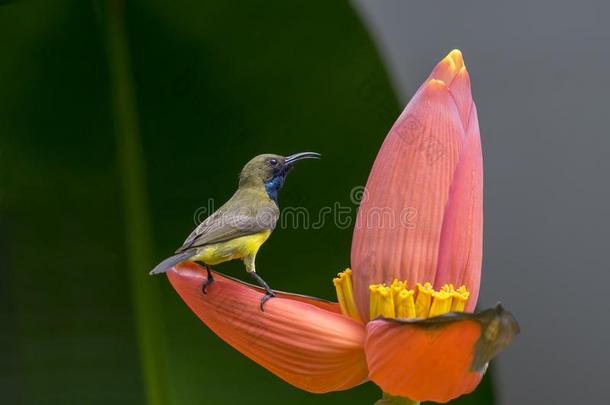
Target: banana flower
{"points": [[404, 317]]}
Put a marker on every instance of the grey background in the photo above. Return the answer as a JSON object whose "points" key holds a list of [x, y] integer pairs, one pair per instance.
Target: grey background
{"points": [[540, 75]]}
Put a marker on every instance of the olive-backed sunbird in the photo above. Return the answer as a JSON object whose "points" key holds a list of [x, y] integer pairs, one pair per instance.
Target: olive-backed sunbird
{"points": [[239, 227]]}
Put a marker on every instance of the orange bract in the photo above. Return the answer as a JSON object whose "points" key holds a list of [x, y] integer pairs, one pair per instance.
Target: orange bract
{"points": [[436, 359], [297, 338], [429, 227], [428, 355]]}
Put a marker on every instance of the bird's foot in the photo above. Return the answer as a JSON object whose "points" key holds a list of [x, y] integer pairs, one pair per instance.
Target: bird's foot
{"points": [[269, 294], [208, 281], [268, 291]]}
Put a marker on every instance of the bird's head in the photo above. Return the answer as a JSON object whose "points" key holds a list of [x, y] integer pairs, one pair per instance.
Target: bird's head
{"points": [[270, 170]]}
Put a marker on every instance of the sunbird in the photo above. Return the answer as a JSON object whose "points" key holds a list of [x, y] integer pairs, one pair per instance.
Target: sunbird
{"points": [[239, 227]]}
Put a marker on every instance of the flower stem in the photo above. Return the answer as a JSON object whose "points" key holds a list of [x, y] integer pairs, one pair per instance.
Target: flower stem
{"points": [[388, 399]]}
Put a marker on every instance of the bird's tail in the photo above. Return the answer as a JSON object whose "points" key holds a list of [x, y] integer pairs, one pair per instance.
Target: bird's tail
{"points": [[171, 261]]}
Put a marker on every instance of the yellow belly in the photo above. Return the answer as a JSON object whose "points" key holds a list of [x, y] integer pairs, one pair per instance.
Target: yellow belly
{"points": [[232, 249]]}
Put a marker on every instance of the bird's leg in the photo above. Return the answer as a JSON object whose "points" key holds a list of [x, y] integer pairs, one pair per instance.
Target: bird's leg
{"points": [[249, 261], [208, 281], [268, 291]]}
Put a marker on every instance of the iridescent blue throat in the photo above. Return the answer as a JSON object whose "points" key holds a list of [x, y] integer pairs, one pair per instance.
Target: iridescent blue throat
{"points": [[274, 185]]}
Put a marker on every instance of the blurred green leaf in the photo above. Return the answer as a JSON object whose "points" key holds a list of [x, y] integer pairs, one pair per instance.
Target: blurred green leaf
{"points": [[149, 325]]}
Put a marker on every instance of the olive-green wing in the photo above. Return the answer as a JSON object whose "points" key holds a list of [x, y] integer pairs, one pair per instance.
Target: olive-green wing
{"points": [[232, 221]]}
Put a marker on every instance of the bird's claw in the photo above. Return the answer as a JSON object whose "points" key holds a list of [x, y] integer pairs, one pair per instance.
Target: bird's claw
{"points": [[268, 291], [270, 294], [207, 282]]}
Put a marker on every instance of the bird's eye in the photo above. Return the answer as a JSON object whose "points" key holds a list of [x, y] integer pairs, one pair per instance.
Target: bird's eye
{"points": [[272, 162]]}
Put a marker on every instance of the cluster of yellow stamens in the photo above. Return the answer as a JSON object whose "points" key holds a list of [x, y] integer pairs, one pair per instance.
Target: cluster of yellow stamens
{"points": [[345, 294], [398, 301]]}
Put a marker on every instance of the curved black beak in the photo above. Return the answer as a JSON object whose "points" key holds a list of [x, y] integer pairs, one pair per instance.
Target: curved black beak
{"points": [[300, 156]]}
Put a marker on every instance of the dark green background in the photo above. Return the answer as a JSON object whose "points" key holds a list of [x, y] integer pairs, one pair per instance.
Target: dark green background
{"points": [[214, 83]]}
